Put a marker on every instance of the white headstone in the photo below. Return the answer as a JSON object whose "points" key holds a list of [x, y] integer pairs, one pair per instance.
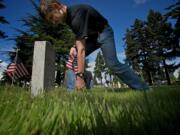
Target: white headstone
{"points": [[43, 72]]}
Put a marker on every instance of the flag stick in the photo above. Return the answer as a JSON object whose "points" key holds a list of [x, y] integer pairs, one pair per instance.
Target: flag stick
{"points": [[15, 61]]}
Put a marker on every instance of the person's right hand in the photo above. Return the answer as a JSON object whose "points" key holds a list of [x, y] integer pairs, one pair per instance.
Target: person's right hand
{"points": [[72, 52]]}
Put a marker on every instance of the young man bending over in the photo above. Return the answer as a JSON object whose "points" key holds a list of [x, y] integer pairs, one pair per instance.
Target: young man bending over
{"points": [[92, 32]]}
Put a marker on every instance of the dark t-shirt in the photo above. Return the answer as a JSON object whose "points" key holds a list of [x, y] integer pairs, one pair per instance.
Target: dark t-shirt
{"points": [[85, 21]]}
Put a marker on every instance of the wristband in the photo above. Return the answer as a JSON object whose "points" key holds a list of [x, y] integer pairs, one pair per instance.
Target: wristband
{"points": [[81, 75]]}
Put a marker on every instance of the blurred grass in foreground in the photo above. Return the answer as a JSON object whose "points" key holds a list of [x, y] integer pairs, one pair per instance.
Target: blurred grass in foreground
{"points": [[97, 112]]}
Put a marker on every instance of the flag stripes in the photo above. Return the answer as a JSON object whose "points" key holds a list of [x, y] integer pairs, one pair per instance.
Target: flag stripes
{"points": [[72, 64], [16, 70]]}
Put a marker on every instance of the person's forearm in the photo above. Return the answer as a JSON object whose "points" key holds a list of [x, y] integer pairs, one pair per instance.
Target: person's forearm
{"points": [[80, 44]]}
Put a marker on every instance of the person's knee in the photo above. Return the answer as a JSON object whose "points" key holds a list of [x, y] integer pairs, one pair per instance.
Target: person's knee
{"points": [[112, 65]]}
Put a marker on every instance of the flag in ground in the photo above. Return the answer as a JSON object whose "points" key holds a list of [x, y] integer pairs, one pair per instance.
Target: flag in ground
{"points": [[16, 70]]}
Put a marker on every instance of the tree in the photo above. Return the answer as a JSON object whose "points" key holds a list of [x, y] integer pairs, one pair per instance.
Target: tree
{"points": [[155, 30], [174, 13], [138, 49], [178, 76], [150, 44], [99, 67], [2, 20], [107, 73], [164, 41]]}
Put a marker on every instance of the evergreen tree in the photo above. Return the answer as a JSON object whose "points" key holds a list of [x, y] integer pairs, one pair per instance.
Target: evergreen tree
{"points": [[150, 44], [109, 73], [178, 76], [174, 13], [162, 39], [138, 50], [99, 67], [2, 20]]}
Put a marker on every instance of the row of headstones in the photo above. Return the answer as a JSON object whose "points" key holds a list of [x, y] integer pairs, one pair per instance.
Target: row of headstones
{"points": [[43, 72]]}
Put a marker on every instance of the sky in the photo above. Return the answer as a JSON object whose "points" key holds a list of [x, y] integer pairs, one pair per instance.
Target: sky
{"points": [[119, 13]]}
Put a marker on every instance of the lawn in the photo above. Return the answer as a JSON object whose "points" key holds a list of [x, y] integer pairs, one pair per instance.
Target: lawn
{"points": [[97, 112]]}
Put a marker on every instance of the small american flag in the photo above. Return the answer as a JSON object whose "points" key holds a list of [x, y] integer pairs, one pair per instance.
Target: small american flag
{"points": [[72, 64], [16, 70]]}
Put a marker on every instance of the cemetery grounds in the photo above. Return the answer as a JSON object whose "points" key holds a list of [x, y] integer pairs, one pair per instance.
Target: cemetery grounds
{"points": [[100, 111]]}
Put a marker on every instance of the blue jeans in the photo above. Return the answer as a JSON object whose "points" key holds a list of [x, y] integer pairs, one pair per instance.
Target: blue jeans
{"points": [[70, 80], [123, 71], [87, 78]]}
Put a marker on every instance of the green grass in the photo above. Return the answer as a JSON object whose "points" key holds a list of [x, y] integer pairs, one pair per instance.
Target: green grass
{"points": [[100, 112]]}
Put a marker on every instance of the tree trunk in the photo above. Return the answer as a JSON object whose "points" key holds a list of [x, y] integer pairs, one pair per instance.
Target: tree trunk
{"points": [[149, 77], [167, 73], [101, 81], [110, 77], [58, 77]]}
